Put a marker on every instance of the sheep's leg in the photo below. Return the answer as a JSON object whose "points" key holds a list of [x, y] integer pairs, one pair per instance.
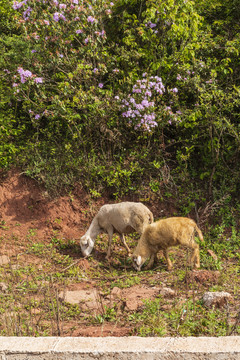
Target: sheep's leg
{"points": [[110, 235], [169, 263], [195, 259], [153, 258], [122, 237]]}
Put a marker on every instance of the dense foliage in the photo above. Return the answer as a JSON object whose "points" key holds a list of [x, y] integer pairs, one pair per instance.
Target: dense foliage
{"points": [[129, 95]]}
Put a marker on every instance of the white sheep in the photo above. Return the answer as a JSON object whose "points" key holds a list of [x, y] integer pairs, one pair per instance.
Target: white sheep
{"points": [[122, 218], [164, 234]]}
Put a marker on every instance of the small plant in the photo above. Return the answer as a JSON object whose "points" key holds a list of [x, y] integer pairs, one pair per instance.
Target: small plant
{"points": [[107, 314], [149, 322]]}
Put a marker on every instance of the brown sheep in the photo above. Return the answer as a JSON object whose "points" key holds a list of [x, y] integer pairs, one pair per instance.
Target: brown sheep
{"points": [[164, 234]]}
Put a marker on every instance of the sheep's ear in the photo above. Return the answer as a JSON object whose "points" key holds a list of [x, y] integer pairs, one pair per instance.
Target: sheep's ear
{"points": [[139, 260]]}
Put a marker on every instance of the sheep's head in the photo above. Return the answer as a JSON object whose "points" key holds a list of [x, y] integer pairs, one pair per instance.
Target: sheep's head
{"points": [[86, 244], [137, 262]]}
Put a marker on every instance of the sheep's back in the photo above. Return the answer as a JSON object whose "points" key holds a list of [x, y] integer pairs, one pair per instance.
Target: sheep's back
{"points": [[125, 217], [170, 231]]}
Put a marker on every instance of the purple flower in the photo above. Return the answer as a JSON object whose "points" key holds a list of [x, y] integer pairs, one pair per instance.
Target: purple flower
{"points": [[115, 70], [27, 13], [148, 93], [62, 6], [75, 2], [17, 5], [79, 31], [24, 74], [14, 85], [63, 17], [91, 19], [38, 80], [33, 51], [179, 77], [95, 70], [86, 40], [159, 91], [139, 106], [137, 91], [100, 85], [37, 116], [55, 2], [27, 73], [175, 90], [145, 103], [46, 22], [151, 25], [56, 16]]}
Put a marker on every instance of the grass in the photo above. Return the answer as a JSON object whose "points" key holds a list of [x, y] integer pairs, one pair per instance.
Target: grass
{"points": [[39, 271]]}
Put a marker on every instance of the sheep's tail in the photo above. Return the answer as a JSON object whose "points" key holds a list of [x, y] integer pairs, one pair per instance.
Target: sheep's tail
{"points": [[199, 233]]}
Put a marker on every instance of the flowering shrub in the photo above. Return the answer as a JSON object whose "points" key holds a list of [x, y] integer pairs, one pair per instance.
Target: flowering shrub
{"points": [[59, 77], [77, 96], [145, 108], [72, 67]]}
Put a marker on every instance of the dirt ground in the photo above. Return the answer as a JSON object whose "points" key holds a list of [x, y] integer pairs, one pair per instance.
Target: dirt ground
{"points": [[25, 206], [23, 201]]}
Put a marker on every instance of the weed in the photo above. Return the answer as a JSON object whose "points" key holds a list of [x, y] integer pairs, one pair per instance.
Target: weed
{"points": [[149, 322], [107, 314], [126, 282], [3, 225]]}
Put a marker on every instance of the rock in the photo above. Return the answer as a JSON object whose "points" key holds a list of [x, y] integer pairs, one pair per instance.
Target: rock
{"points": [[202, 276], [116, 292], [167, 292], [135, 295], [4, 259], [88, 299], [217, 299], [3, 286], [84, 264]]}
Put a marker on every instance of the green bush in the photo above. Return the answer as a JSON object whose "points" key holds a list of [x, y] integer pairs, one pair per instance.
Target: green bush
{"points": [[123, 95]]}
